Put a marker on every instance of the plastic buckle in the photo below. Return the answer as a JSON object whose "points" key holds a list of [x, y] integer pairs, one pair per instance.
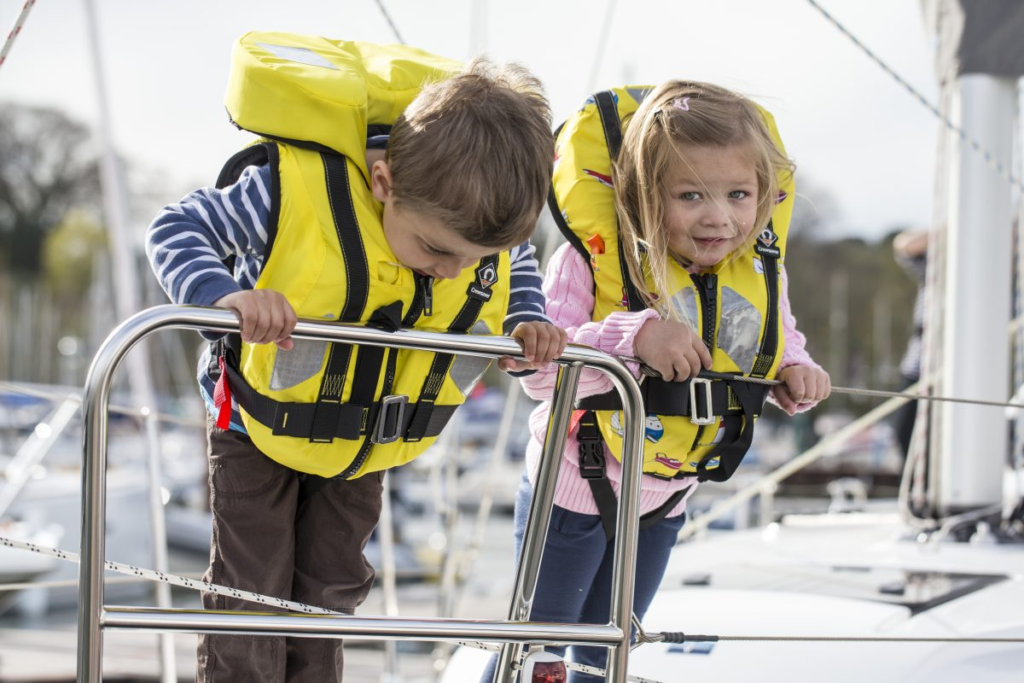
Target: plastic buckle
{"points": [[695, 417], [390, 405], [592, 459]]}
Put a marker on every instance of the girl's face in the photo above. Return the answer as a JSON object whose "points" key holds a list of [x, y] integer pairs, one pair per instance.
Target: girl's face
{"points": [[711, 203]]}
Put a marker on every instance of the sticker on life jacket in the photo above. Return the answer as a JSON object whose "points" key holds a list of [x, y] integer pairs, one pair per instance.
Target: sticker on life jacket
{"points": [[765, 243], [602, 178], [486, 277]]}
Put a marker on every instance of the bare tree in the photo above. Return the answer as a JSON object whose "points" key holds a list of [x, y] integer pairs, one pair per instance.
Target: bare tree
{"points": [[47, 166]]}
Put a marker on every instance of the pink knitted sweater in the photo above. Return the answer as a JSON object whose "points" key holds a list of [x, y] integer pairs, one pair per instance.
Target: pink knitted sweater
{"points": [[568, 286]]}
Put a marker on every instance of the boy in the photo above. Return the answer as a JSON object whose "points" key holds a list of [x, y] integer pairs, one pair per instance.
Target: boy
{"points": [[430, 233]]}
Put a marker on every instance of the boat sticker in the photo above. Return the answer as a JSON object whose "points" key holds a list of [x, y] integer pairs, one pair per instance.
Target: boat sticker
{"points": [[296, 366], [466, 371], [617, 422], [654, 429], [671, 463], [602, 178], [739, 330], [719, 435]]}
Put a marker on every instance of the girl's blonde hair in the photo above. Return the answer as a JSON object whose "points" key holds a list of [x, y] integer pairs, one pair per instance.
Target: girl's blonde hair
{"points": [[674, 117]]}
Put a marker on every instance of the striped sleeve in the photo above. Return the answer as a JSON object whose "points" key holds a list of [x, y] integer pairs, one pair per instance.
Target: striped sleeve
{"points": [[526, 298], [188, 242]]}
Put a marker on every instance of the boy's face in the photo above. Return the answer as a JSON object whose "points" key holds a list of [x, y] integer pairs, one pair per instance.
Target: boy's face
{"points": [[420, 241]]}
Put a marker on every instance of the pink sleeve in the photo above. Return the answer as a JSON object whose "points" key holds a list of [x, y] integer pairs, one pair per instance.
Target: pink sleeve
{"points": [[569, 290], [795, 352]]}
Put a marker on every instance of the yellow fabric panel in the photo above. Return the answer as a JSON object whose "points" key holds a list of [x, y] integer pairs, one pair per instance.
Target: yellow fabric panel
{"points": [[338, 86]]}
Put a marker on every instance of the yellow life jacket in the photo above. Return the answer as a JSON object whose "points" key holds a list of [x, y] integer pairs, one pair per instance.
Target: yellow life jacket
{"points": [[333, 409], [702, 427]]}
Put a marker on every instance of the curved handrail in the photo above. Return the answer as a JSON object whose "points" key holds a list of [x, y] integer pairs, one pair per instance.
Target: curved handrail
{"points": [[92, 617]]}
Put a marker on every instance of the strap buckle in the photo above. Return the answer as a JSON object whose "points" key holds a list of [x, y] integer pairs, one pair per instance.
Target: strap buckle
{"points": [[592, 459], [696, 417], [392, 411]]}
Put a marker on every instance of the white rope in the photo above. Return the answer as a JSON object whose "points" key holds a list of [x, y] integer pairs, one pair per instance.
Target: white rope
{"points": [[172, 579], [184, 582], [18, 23], [989, 158]]}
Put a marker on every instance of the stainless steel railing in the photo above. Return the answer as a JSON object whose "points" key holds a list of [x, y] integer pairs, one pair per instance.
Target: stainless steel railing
{"points": [[94, 616]]}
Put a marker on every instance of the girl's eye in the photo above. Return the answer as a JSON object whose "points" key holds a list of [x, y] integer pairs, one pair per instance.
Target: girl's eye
{"points": [[739, 194], [689, 196]]}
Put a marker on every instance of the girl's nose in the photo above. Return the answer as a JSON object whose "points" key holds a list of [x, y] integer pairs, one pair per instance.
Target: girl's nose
{"points": [[716, 215]]}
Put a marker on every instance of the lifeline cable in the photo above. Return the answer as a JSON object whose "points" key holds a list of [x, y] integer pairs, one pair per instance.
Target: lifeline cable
{"points": [[18, 23], [996, 165], [877, 393], [652, 637]]}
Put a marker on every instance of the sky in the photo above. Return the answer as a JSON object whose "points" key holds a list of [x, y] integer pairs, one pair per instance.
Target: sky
{"points": [[854, 133]]}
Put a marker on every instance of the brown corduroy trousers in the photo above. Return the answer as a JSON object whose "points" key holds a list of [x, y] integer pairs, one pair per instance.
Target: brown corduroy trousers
{"points": [[275, 534]]}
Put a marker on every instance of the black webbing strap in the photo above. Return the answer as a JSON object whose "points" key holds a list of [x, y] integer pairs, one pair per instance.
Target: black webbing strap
{"points": [[739, 432], [673, 398], [594, 471], [254, 155], [370, 362], [466, 318], [328, 402], [611, 124], [770, 255], [297, 419]]}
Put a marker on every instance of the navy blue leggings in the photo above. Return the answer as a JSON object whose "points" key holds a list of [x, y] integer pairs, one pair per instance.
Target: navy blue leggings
{"points": [[575, 579]]}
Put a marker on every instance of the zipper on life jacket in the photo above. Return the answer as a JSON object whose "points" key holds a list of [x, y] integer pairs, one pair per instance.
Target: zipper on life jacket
{"points": [[707, 289], [427, 284], [422, 300]]}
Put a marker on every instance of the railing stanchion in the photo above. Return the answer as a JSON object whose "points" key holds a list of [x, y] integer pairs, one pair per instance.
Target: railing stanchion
{"points": [[536, 532]]}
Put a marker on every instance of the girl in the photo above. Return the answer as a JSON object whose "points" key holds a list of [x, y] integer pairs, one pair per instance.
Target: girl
{"points": [[687, 279]]}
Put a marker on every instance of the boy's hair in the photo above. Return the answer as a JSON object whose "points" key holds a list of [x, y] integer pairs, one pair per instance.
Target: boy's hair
{"points": [[676, 116], [476, 152]]}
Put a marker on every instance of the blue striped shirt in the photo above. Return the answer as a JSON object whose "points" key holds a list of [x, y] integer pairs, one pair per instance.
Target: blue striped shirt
{"points": [[188, 243]]}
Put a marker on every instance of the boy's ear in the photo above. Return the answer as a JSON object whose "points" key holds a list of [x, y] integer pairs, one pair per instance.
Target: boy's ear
{"points": [[380, 181]]}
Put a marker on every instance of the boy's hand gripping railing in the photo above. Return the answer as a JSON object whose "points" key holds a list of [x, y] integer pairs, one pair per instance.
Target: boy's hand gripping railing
{"points": [[93, 616]]}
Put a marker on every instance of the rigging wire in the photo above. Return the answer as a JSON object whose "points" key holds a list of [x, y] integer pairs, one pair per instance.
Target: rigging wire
{"points": [[989, 158], [387, 18], [602, 40], [18, 23]]}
